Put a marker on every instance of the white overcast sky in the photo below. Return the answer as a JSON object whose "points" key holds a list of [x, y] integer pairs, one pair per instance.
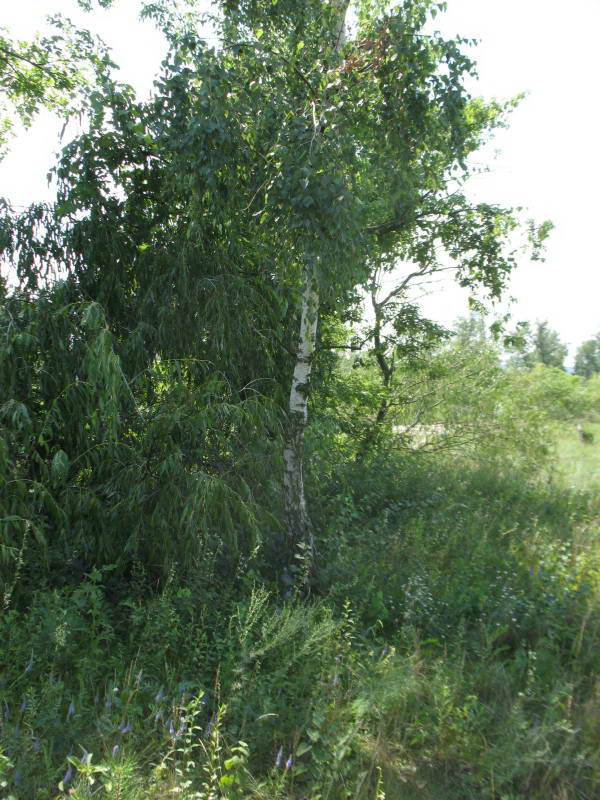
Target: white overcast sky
{"points": [[547, 161]]}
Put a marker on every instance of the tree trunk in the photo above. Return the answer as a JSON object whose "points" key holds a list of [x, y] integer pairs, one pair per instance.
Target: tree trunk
{"points": [[300, 528], [293, 452], [387, 373]]}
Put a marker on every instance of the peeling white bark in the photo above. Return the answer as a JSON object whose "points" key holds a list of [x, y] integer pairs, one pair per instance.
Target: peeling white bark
{"points": [[293, 452], [306, 345]]}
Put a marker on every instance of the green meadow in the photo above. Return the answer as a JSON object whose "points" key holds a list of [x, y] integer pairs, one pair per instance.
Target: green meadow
{"points": [[577, 463], [447, 648]]}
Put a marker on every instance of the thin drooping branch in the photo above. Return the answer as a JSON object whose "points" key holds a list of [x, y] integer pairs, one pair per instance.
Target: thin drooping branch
{"points": [[397, 290]]}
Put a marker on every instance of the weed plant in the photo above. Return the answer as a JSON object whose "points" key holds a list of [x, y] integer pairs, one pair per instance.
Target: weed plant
{"points": [[447, 650]]}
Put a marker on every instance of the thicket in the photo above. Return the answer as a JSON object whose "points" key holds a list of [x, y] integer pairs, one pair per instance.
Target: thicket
{"points": [[163, 629], [448, 650]]}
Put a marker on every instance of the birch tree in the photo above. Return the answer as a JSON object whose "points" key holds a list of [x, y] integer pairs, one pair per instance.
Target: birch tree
{"points": [[257, 192], [293, 452]]}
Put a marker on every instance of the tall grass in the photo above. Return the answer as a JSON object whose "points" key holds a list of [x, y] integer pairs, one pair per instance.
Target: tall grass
{"points": [[447, 650], [578, 463]]}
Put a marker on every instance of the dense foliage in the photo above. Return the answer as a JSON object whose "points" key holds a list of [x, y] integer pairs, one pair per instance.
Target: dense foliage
{"points": [[164, 631]]}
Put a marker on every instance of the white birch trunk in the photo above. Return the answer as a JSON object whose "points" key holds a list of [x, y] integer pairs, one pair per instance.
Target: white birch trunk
{"points": [[293, 452]]}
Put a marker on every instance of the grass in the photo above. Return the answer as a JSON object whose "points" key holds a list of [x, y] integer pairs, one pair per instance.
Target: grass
{"points": [[578, 462], [449, 652]]}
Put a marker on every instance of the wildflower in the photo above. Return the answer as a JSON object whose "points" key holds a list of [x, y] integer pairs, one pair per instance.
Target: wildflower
{"points": [[128, 728], [71, 709], [29, 665], [289, 762], [159, 695], [171, 729], [158, 716], [115, 751], [279, 758]]}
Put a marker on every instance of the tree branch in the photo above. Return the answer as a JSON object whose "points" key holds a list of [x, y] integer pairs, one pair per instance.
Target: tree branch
{"points": [[66, 83]]}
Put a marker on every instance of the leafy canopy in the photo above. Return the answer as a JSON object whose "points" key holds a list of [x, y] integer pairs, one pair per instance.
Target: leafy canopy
{"points": [[143, 392]]}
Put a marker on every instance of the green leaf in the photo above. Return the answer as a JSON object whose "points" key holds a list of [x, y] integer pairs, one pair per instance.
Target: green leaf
{"points": [[60, 467]]}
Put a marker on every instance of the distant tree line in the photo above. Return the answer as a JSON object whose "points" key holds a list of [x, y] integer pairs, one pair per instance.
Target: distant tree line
{"points": [[538, 343]]}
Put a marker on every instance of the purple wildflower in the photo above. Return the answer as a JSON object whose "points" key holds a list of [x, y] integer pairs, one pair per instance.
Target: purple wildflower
{"points": [[209, 727], [279, 758], [159, 695], [115, 751], [71, 709], [289, 762], [68, 776], [158, 716], [29, 665]]}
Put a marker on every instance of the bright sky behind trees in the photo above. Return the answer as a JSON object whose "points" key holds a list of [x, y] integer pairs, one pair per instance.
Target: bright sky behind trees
{"points": [[548, 161]]}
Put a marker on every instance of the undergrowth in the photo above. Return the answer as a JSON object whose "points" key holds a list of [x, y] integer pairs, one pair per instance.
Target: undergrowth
{"points": [[447, 650]]}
